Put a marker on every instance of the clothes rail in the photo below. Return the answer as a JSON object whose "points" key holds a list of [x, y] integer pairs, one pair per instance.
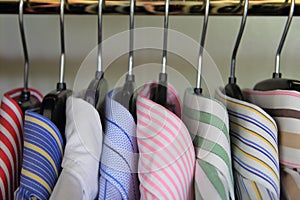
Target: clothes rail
{"points": [[154, 7]]}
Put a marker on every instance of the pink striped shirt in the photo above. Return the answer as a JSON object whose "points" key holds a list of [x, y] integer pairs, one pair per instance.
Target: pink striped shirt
{"points": [[167, 158]]}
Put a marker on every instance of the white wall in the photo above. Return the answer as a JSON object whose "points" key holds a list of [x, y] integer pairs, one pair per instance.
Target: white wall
{"points": [[255, 59]]}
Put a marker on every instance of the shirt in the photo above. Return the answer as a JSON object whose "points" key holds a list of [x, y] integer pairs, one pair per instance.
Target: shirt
{"points": [[79, 177], [118, 169], [167, 157], [207, 122], [284, 106], [11, 140], [255, 149], [43, 150]]}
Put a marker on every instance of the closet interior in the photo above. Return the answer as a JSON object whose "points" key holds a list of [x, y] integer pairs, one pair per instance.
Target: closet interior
{"points": [[189, 67]]}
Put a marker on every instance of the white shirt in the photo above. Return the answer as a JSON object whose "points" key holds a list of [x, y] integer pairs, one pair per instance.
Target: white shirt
{"points": [[79, 177]]}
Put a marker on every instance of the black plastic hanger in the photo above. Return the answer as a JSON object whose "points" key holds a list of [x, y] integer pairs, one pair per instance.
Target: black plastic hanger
{"points": [[97, 87], [26, 101], [198, 89], [160, 93], [125, 97], [277, 82], [232, 89], [54, 103]]}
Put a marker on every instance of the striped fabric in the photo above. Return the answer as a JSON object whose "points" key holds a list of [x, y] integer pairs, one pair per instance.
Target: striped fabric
{"points": [[284, 106], [255, 150], [207, 122], [118, 170], [43, 149], [11, 141], [167, 157], [290, 178]]}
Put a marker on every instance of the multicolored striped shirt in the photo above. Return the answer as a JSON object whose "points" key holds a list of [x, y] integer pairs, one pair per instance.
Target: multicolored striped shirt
{"points": [[42, 155], [207, 122], [254, 148], [284, 106]]}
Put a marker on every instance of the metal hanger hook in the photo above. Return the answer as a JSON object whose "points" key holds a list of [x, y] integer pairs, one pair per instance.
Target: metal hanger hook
{"points": [[161, 91], [232, 78], [24, 45], [62, 42], [131, 36], [202, 42], [282, 40], [165, 39], [99, 63]]}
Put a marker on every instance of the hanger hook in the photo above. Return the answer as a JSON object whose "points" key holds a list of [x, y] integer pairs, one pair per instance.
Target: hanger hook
{"points": [[62, 42], [160, 95], [277, 73], [131, 36], [100, 4], [165, 39], [25, 50], [232, 78], [198, 89]]}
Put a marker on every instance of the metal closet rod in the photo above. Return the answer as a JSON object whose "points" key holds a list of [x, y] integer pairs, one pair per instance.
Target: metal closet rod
{"points": [[154, 7]]}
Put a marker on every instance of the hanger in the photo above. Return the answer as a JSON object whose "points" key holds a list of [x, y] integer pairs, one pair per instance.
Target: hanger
{"points": [[54, 103], [93, 92], [160, 94], [232, 89], [277, 82], [125, 97], [26, 101], [198, 89]]}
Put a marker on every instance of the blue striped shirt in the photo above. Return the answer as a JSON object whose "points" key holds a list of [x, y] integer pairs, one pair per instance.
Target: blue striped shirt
{"points": [[43, 151]]}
